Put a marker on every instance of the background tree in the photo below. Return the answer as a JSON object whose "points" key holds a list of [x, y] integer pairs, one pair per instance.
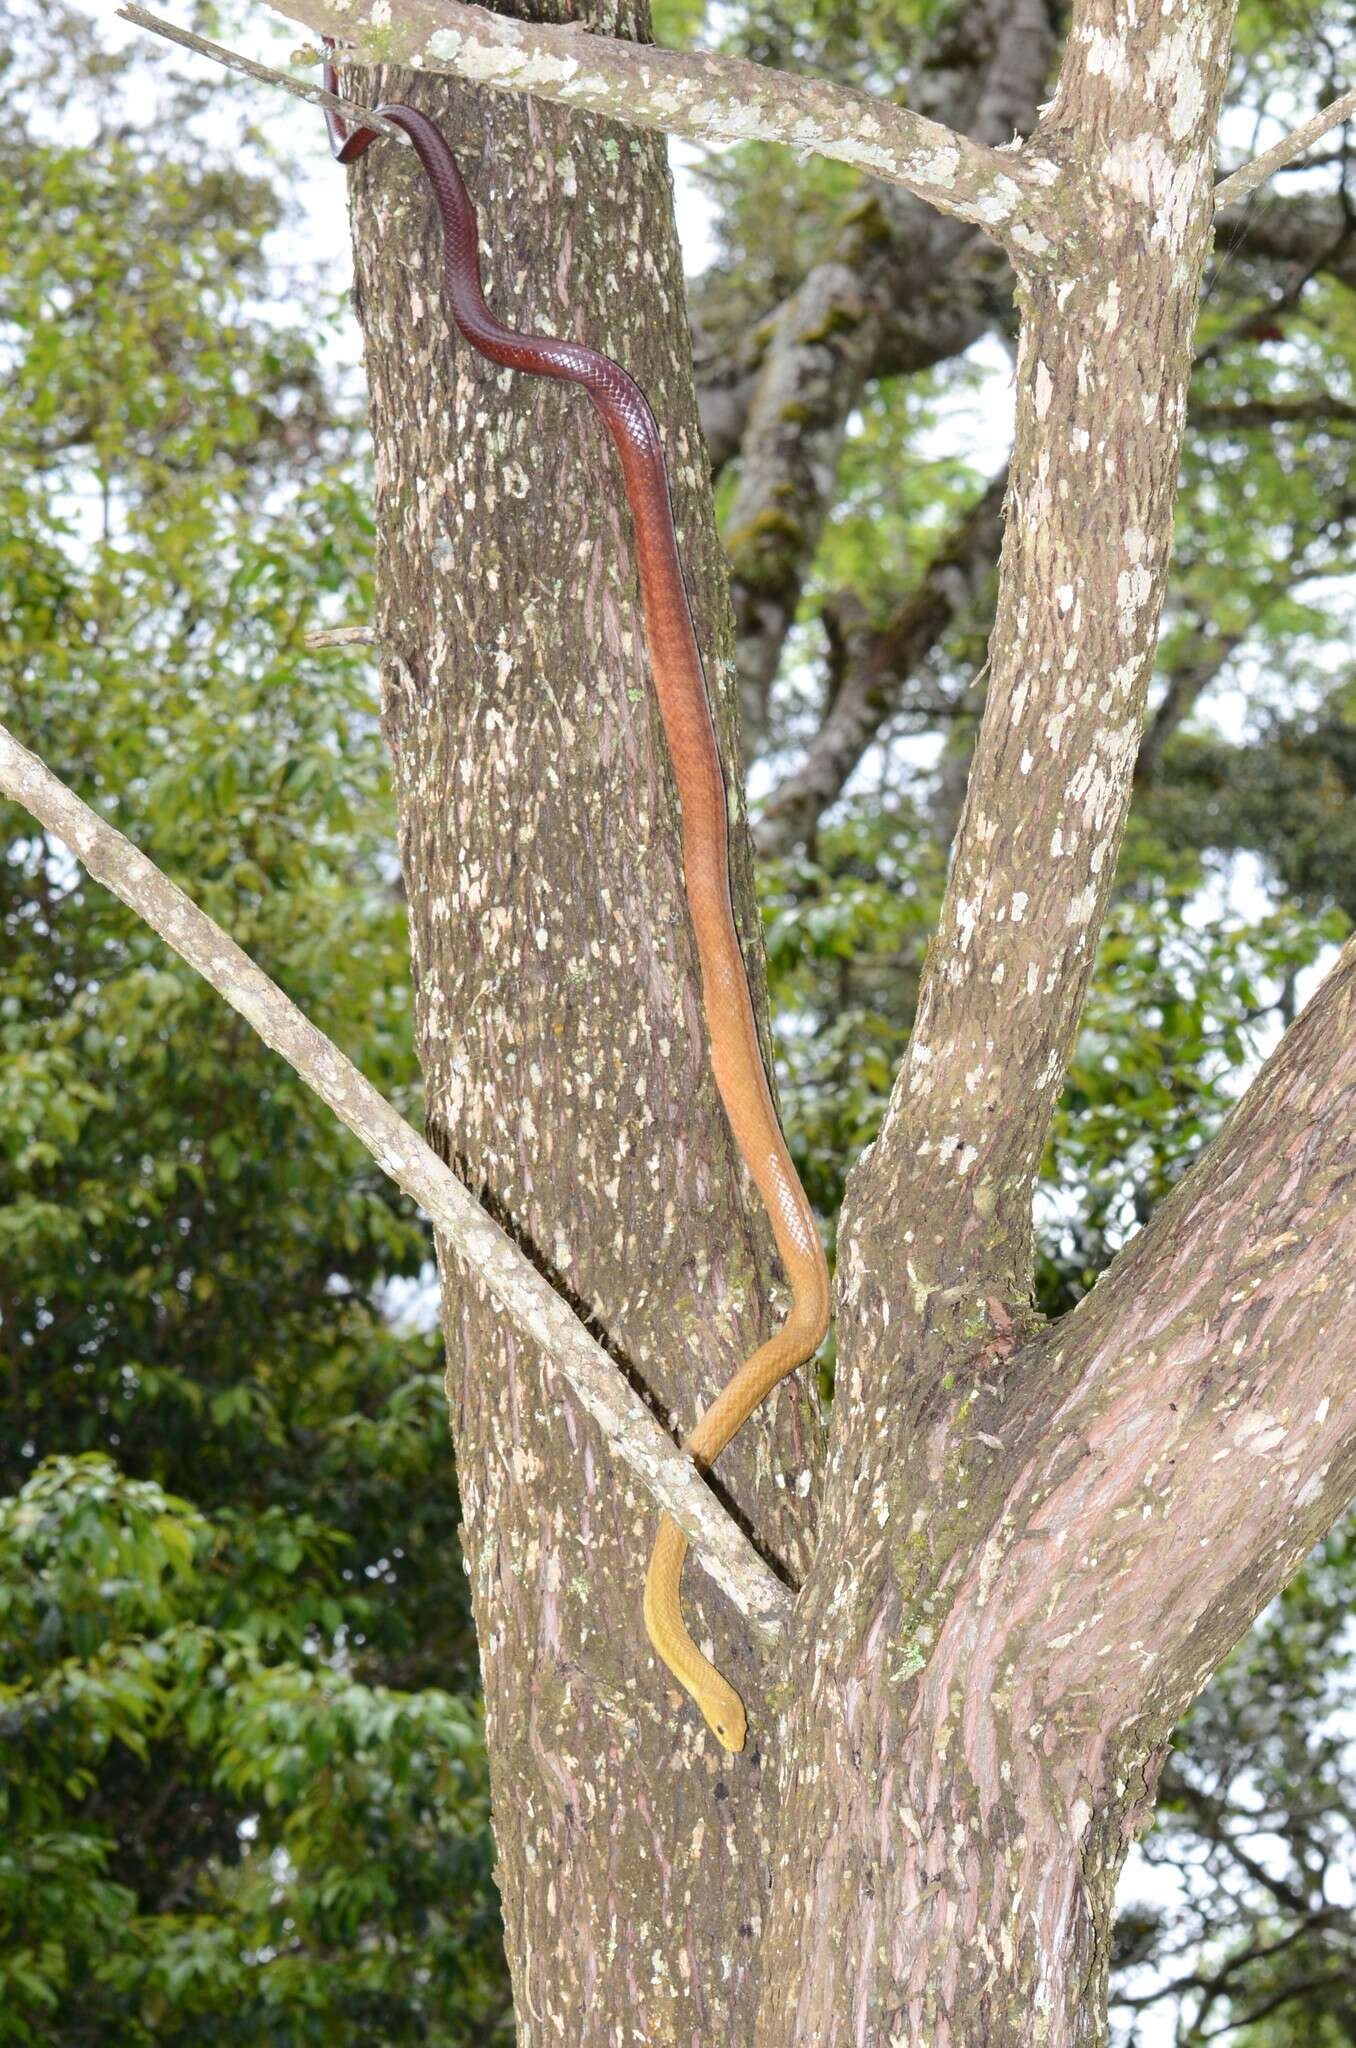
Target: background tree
{"points": [[829, 512]]}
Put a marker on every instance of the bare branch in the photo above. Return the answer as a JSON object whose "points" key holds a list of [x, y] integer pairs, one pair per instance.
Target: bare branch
{"points": [[877, 669], [1240, 183], [1315, 408], [341, 636], [704, 97], [491, 1257], [1187, 681], [1204, 1396], [234, 61]]}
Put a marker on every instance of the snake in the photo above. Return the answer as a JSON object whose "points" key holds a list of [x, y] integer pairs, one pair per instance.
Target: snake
{"points": [[690, 735]]}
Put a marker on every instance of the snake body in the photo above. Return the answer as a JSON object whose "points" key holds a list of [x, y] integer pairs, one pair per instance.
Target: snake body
{"points": [[736, 1057]]}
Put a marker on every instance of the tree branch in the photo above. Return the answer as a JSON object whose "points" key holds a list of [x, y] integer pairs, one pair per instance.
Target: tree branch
{"points": [[1209, 1813], [491, 1257], [877, 670], [1187, 681], [704, 97], [1305, 232], [1240, 183], [341, 636], [234, 61], [1317, 409], [1190, 1424]]}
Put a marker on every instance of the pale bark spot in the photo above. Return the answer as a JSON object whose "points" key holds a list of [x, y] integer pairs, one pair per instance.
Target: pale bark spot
{"points": [[1258, 1434], [1144, 167], [1173, 63], [999, 204], [1133, 589], [487, 64], [1108, 58], [938, 167]]}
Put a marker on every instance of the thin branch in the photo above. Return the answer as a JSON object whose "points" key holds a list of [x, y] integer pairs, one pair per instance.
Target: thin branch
{"points": [[490, 1256], [1240, 183], [704, 97], [1187, 681], [341, 636], [1211, 1814], [877, 668], [1333, 1980], [234, 61], [1274, 412]]}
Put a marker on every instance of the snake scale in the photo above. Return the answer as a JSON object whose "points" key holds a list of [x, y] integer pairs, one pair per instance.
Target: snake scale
{"points": [[736, 1058]]}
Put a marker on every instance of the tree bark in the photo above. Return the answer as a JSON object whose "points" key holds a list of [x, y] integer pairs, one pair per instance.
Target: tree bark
{"points": [[563, 1048], [989, 1905]]}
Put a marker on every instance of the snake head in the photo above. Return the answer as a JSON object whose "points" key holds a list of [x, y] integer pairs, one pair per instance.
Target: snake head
{"points": [[724, 1711]]}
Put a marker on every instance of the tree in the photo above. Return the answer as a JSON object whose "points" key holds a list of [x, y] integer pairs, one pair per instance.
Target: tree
{"points": [[1026, 1547]]}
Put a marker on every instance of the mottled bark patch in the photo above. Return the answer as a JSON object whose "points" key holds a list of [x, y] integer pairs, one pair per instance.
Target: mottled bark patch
{"points": [[562, 1045]]}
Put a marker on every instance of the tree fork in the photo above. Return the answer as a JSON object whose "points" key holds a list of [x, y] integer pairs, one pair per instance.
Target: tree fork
{"points": [[941, 1876]]}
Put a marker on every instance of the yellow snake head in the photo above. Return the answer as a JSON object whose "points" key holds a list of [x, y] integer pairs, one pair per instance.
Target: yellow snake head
{"points": [[721, 1706], [724, 1711]]}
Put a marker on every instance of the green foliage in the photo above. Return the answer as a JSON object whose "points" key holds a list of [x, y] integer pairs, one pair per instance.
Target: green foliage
{"points": [[1183, 1006], [677, 23], [846, 934], [243, 1776], [867, 43], [895, 504], [121, 1673], [1295, 45]]}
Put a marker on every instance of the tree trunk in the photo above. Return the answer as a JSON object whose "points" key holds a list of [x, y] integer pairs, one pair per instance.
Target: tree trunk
{"points": [[563, 1047]]}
